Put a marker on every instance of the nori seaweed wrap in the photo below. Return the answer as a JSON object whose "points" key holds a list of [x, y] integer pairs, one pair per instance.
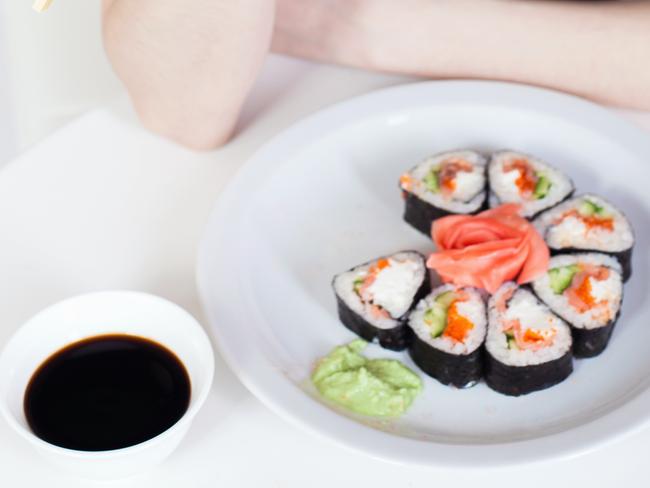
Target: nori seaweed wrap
{"points": [[374, 298], [528, 347], [586, 290], [588, 223], [535, 185], [449, 183], [449, 329]]}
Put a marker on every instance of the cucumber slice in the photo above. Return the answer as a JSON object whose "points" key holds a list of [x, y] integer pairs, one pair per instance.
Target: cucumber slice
{"points": [[510, 339], [436, 316], [542, 187], [446, 299], [431, 181], [356, 284], [560, 278], [588, 209]]}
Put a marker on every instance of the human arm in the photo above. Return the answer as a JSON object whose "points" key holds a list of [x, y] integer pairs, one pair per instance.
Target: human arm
{"points": [[599, 50], [188, 65]]}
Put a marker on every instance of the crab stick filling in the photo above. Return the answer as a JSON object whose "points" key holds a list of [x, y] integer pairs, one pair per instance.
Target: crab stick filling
{"points": [[452, 178], [526, 324], [588, 216], [580, 293], [590, 222], [526, 179]]}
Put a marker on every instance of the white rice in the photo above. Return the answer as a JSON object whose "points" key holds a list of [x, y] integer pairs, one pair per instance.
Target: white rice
{"points": [[609, 290], [469, 194], [531, 313], [505, 190], [472, 309], [393, 289], [572, 232]]}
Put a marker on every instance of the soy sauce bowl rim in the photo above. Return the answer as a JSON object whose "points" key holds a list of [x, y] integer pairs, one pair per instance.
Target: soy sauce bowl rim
{"points": [[197, 396]]}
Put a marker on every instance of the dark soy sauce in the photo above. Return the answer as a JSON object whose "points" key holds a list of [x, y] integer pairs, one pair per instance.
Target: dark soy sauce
{"points": [[106, 392]]}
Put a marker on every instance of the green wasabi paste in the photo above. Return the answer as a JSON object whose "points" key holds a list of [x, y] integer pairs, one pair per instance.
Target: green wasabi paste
{"points": [[375, 387]]}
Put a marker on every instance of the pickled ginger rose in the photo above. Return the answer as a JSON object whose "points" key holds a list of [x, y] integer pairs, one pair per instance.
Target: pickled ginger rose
{"points": [[488, 249]]}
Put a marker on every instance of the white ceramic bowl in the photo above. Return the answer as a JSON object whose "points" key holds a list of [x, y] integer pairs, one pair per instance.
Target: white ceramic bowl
{"points": [[94, 314]]}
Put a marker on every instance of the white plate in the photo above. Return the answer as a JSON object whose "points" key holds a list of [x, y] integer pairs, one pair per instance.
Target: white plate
{"points": [[322, 196]]}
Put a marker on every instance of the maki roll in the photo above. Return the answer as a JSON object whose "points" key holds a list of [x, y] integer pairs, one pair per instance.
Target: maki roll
{"points": [[374, 298], [586, 290], [515, 177], [449, 329], [588, 223], [528, 347], [448, 183]]}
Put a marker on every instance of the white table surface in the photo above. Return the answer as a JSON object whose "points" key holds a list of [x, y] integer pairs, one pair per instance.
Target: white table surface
{"points": [[101, 204]]}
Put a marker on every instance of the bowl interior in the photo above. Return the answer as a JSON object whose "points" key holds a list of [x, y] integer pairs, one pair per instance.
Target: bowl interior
{"points": [[96, 314]]}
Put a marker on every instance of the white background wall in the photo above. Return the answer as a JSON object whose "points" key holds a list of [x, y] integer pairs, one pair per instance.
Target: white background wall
{"points": [[7, 145], [52, 68]]}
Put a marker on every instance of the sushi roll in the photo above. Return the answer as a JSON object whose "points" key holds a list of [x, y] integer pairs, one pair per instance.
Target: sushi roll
{"points": [[588, 223], [515, 177], [449, 329], [448, 183], [528, 347], [374, 298], [586, 290]]}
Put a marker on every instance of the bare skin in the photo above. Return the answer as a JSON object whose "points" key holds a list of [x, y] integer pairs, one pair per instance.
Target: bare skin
{"points": [[189, 65]]}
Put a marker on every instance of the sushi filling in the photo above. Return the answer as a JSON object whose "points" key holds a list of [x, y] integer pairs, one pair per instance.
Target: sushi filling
{"points": [[454, 181], [382, 291], [521, 179], [585, 289], [451, 319], [587, 222], [517, 178], [523, 331]]}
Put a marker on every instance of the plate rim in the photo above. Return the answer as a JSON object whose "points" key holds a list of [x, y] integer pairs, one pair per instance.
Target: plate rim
{"points": [[286, 399]]}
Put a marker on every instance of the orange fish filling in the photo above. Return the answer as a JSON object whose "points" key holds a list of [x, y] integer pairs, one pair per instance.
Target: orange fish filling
{"points": [[579, 295], [377, 267], [449, 185], [533, 336], [374, 270], [406, 181], [534, 339], [604, 223], [591, 221], [448, 172], [527, 179], [457, 326], [584, 292]]}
